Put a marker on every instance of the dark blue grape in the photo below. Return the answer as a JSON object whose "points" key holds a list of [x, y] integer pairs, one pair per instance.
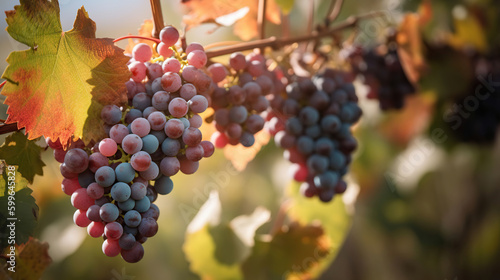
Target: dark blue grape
{"points": [[120, 192], [86, 178], [294, 126], [337, 160], [324, 146], [328, 179], [247, 139], [317, 164], [313, 131], [309, 116], [238, 114], [305, 145], [164, 185], [331, 124]]}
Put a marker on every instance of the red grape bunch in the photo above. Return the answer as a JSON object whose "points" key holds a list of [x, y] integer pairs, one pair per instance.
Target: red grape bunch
{"points": [[238, 105], [313, 124], [383, 73], [114, 183]]}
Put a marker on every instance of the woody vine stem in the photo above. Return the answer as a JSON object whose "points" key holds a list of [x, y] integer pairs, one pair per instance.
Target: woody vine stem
{"points": [[275, 43], [278, 43]]}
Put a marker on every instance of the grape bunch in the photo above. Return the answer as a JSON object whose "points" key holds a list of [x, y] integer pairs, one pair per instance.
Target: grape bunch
{"points": [[114, 182], [383, 74], [313, 124], [238, 105]]}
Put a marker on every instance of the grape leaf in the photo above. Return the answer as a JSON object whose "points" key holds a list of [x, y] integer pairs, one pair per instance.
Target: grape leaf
{"points": [[469, 33], [291, 253], [401, 127], [32, 259], [285, 5], [224, 246], [18, 150], [240, 156], [207, 129], [200, 247], [426, 13], [25, 212], [410, 49], [234, 242], [207, 11], [57, 87], [232, 18], [333, 217]]}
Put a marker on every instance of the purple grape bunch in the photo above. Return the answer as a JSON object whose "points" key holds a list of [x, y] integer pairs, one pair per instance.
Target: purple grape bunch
{"points": [[240, 104], [313, 124], [115, 182]]}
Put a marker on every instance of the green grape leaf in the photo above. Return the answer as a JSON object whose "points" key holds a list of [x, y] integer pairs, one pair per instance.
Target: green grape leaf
{"points": [[333, 218], [285, 5], [32, 259], [216, 250], [234, 242], [25, 212], [200, 247], [57, 88], [18, 150], [291, 253], [229, 249]]}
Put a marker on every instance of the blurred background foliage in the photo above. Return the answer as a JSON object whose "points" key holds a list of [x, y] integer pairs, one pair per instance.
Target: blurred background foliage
{"points": [[426, 209]]}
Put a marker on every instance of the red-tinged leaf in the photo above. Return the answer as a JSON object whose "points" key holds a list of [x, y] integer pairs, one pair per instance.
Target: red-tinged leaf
{"points": [[425, 12], [402, 126], [332, 218], [240, 156], [32, 259], [207, 129], [207, 11], [146, 30], [57, 88], [410, 49], [232, 18]]}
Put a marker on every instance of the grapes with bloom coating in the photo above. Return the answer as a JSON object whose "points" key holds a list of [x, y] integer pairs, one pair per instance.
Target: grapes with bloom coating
{"points": [[316, 133], [238, 108], [142, 52], [383, 73], [114, 182], [169, 35]]}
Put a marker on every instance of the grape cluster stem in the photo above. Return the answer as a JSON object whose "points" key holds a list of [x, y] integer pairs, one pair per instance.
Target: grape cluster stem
{"points": [[274, 42], [278, 43], [157, 17]]}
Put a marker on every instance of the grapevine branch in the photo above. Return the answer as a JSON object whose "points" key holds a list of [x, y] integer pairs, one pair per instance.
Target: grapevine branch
{"points": [[285, 25], [137, 37], [7, 128], [261, 19], [157, 18], [277, 43], [334, 11], [310, 23], [310, 18]]}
